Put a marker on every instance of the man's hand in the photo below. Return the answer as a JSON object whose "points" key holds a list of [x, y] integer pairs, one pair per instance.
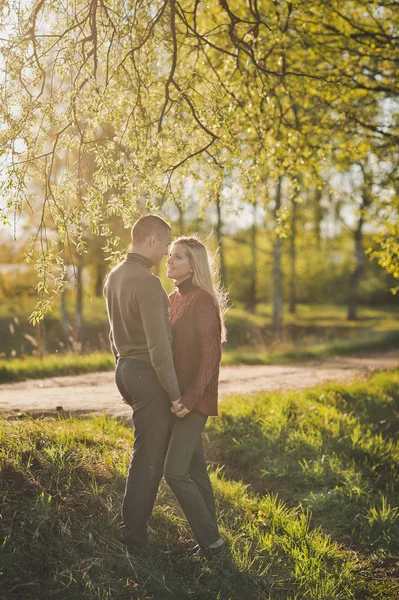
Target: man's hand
{"points": [[176, 405]]}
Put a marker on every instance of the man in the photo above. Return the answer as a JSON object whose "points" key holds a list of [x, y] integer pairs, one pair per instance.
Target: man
{"points": [[137, 307]]}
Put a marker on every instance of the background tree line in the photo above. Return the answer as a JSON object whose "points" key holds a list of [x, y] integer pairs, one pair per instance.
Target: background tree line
{"points": [[286, 111]]}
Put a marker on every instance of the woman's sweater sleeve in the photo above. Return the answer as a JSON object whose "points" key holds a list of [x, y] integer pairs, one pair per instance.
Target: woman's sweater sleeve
{"points": [[207, 326]]}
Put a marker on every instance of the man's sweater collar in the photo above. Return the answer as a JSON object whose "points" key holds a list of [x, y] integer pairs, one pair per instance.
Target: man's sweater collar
{"points": [[138, 258]]}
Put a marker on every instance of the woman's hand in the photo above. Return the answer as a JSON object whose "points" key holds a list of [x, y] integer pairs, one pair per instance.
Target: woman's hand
{"points": [[179, 409], [182, 413]]}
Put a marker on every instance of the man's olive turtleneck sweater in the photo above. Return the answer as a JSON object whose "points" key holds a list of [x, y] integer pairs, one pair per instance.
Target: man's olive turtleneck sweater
{"points": [[137, 307]]}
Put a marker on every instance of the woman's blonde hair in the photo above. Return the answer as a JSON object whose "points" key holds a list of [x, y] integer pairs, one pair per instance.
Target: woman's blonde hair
{"points": [[203, 263]]}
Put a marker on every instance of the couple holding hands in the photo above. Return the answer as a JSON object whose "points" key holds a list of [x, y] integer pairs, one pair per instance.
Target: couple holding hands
{"points": [[168, 353]]}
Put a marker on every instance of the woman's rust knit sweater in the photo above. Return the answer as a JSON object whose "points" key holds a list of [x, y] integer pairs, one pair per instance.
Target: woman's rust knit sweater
{"points": [[196, 332]]}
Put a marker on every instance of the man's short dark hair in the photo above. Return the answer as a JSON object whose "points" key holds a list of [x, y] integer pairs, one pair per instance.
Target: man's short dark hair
{"points": [[147, 226]]}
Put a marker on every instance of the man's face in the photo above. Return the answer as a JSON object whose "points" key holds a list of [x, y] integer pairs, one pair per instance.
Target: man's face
{"points": [[160, 247]]}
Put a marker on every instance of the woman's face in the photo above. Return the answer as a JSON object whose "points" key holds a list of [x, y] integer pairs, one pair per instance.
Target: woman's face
{"points": [[178, 264]]}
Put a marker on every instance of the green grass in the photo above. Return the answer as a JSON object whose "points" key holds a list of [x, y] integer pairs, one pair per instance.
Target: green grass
{"points": [[62, 485], [313, 325], [332, 315], [31, 367], [306, 486], [334, 451], [380, 341]]}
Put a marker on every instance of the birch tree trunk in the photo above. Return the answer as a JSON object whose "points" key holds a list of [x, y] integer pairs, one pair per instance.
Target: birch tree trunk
{"points": [[252, 300], [79, 301], [277, 271], [293, 257], [360, 257], [219, 226]]}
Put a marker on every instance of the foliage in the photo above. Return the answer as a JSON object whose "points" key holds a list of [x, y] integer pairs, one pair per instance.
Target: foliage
{"points": [[111, 108], [387, 251]]}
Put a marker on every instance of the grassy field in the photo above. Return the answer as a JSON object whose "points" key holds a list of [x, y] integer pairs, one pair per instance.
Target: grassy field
{"points": [[316, 332], [307, 493], [53, 365], [373, 342], [31, 367], [311, 326]]}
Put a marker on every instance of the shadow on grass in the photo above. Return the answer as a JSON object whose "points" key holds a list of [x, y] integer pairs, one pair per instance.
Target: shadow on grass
{"points": [[61, 493], [60, 505], [375, 407], [46, 554], [334, 451]]}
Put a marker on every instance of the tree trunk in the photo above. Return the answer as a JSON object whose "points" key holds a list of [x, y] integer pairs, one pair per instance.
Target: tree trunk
{"points": [[79, 301], [65, 321], [293, 257], [99, 285], [277, 272], [41, 340], [318, 214], [181, 219], [360, 259], [252, 302], [356, 274], [219, 225]]}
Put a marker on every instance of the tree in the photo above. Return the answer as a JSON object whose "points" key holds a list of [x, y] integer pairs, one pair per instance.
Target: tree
{"points": [[366, 200], [152, 88], [252, 296]]}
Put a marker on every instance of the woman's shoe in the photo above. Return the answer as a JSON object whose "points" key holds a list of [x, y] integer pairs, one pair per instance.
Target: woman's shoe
{"points": [[215, 551], [209, 552]]}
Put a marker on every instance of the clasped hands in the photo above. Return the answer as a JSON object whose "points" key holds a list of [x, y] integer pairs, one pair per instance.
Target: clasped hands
{"points": [[179, 409]]}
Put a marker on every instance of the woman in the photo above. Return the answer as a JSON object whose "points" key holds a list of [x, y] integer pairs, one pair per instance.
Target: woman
{"points": [[198, 331]]}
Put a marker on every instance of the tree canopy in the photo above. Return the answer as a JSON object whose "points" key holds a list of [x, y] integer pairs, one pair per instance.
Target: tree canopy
{"points": [[108, 106]]}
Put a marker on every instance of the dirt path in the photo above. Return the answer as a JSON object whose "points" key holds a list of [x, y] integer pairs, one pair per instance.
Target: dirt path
{"points": [[96, 392]]}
